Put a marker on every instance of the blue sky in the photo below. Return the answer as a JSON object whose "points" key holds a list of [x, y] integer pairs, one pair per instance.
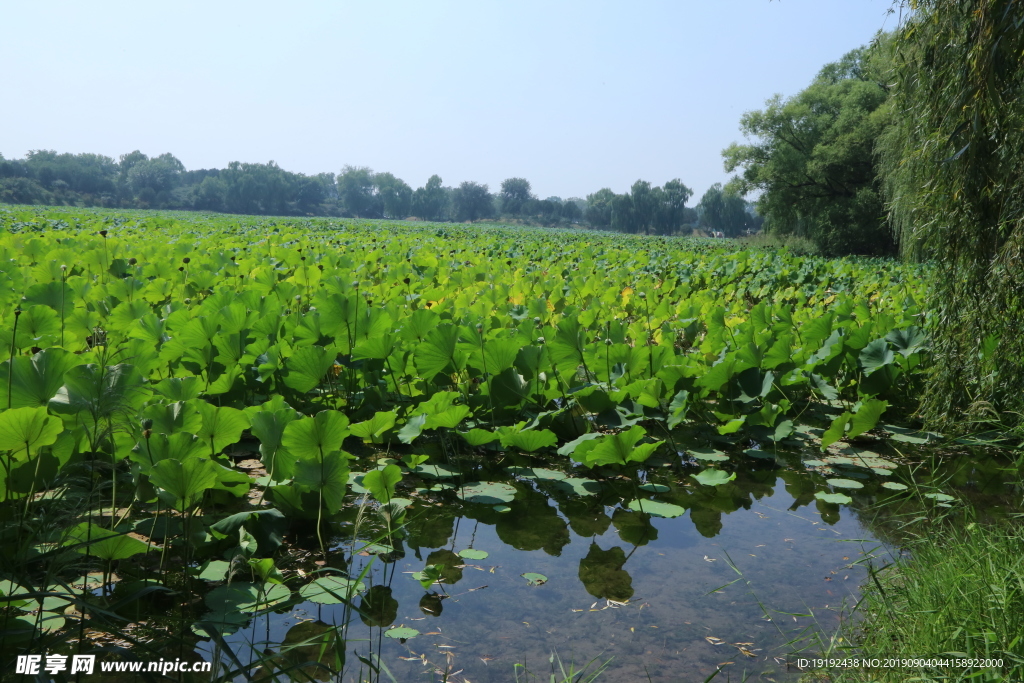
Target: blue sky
{"points": [[573, 96]]}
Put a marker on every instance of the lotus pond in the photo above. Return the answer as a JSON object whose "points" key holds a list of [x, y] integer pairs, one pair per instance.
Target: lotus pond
{"points": [[355, 450]]}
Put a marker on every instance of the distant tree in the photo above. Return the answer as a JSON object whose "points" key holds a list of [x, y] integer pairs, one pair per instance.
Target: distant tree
{"points": [[624, 218], [644, 203], [159, 175], [599, 208], [514, 196], [431, 201], [357, 192], [571, 211], [724, 211], [394, 194], [79, 173], [812, 157], [308, 193], [472, 201], [671, 201], [210, 195]]}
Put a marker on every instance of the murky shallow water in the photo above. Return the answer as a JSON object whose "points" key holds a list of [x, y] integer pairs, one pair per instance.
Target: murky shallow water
{"points": [[744, 572]]}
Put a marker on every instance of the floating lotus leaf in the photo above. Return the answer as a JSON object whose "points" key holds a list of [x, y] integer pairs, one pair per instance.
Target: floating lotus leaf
{"points": [[579, 486], [758, 453], [910, 435], [534, 579], [940, 497], [432, 471], [375, 549], [654, 488], [712, 477], [845, 483], [815, 463], [894, 486], [331, 590], [656, 508], [401, 633], [487, 493], [537, 473], [246, 597], [213, 570], [471, 554], [707, 454], [837, 498]]}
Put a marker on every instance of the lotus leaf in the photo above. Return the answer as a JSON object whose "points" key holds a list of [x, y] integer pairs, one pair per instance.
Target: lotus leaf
{"points": [[656, 508], [487, 493], [837, 498], [331, 590]]}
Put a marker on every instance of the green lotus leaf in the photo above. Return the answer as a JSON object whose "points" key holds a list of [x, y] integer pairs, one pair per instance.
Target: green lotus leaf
{"points": [[373, 429], [538, 473], [432, 471], [23, 431], [186, 480], [620, 448], [478, 437], [331, 590], [246, 597], [222, 426], [381, 483], [579, 486], [100, 392], [708, 454], [845, 483], [837, 498], [268, 426], [312, 437], [656, 508], [713, 477], [487, 493], [36, 380], [401, 633], [328, 476], [105, 544], [534, 579], [307, 367]]}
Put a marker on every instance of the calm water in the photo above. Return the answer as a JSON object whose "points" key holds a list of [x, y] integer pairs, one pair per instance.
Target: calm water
{"points": [[750, 566]]}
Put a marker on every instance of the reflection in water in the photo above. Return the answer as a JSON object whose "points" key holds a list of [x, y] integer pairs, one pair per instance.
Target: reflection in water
{"points": [[603, 576], [377, 607], [431, 604], [308, 652], [533, 524], [634, 528], [673, 582], [452, 573], [586, 515]]}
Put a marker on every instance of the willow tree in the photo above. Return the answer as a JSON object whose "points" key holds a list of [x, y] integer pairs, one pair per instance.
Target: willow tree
{"points": [[953, 169]]}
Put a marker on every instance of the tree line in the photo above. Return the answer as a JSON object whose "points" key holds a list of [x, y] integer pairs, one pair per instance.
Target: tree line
{"points": [[136, 180]]}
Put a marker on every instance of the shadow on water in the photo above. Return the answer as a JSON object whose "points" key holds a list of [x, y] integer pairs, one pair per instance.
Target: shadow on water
{"points": [[733, 576]]}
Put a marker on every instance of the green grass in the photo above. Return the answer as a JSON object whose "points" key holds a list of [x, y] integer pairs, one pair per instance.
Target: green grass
{"points": [[959, 594]]}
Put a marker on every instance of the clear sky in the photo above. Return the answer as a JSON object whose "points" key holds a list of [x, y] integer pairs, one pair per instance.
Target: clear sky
{"points": [[573, 96]]}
